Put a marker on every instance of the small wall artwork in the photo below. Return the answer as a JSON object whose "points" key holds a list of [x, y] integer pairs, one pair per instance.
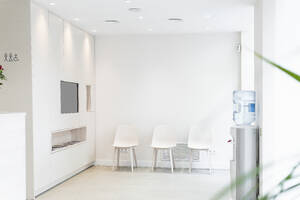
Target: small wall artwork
{"points": [[11, 57]]}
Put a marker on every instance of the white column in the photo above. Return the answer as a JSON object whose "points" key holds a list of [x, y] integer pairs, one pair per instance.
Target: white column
{"points": [[277, 38]]}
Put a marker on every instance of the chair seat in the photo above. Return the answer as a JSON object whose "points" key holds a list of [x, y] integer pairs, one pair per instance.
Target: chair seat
{"points": [[165, 146], [199, 147], [124, 145]]}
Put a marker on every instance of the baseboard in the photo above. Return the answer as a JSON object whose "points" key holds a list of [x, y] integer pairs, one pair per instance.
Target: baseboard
{"points": [[44, 189], [162, 164]]}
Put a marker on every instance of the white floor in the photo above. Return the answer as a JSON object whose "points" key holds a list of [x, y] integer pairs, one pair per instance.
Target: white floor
{"points": [[99, 183]]}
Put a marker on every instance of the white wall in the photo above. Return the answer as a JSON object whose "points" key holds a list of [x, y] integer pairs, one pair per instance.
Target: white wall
{"points": [[277, 38], [247, 59], [166, 79], [16, 93], [60, 51]]}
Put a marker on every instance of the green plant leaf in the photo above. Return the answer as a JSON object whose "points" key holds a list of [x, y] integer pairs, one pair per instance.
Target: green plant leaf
{"points": [[290, 73]]}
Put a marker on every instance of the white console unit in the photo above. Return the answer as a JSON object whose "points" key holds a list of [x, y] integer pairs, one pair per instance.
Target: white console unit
{"points": [[12, 154]]}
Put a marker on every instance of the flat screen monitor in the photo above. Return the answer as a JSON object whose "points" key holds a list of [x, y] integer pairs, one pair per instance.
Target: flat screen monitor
{"points": [[69, 97]]}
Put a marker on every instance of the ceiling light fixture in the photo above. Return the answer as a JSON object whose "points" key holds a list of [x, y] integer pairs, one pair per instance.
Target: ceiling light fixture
{"points": [[52, 4], [127, 1], [175, 19], [134, 9], [207, 16], [112, 21], [141, 17], [150, 29], [76, 19], [94, 31]]}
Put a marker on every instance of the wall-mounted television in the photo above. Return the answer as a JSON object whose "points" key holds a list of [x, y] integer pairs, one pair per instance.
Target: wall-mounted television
{"points": [[69, 97]]}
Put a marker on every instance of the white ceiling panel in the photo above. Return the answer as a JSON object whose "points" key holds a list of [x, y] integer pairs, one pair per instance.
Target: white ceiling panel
{"points": [[197, 15]]}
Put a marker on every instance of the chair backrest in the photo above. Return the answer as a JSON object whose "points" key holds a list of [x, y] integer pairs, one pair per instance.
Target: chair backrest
{"points": [[126, 136], [163, 136], [199, 137]]}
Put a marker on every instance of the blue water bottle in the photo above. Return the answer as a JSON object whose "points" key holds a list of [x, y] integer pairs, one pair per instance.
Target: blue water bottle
{"points": [[244, 107]]}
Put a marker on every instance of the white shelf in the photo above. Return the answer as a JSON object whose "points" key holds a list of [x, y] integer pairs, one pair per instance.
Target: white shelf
{"points": [[66, 138], [66, 147]]}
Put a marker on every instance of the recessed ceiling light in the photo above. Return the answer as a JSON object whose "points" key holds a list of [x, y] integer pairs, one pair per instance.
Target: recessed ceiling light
{"points": [[76, 19], [134, 9], [127, 1], [52, 4], [141, 17], [112, 21], [150, 29], [207, 16], [175, 19], [94, 31]]}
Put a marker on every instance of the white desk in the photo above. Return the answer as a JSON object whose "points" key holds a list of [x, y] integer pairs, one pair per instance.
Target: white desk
{"points": [[12, 156]]}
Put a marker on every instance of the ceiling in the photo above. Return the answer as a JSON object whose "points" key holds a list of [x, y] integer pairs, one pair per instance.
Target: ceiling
{"points": [[198, 15]]}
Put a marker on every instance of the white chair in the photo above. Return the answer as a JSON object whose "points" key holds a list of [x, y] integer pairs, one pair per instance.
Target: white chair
{"points": [[126, 138], [200, 141], [164, 138]]}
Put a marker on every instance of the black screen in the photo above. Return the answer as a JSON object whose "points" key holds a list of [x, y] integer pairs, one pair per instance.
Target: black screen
{"points": [[69, 97]]}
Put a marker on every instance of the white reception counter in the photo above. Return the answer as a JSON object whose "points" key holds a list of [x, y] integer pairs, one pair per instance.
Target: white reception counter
{"points": [[12, 156]]}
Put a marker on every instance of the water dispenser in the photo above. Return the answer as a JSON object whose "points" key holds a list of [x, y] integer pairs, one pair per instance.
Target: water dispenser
{"points": [[245, 137]]}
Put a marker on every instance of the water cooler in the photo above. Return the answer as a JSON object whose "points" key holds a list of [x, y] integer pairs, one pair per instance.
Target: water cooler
{"points": [[245, 137]]}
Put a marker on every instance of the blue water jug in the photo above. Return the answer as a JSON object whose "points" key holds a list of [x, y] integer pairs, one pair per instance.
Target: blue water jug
{"points": [[244, 107]]}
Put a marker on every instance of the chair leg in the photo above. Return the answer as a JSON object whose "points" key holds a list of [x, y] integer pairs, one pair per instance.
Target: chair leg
{"points": [[155, 161], [210, 162], [131, 158], [114, 158], [191, 160], [171, 160], [134, 155], [118, 157], [154, 157]]}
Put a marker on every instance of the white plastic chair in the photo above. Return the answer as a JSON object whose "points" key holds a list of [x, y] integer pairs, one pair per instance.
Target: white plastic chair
{"points": [[164, 138], [126, 138], [200, 141]]}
